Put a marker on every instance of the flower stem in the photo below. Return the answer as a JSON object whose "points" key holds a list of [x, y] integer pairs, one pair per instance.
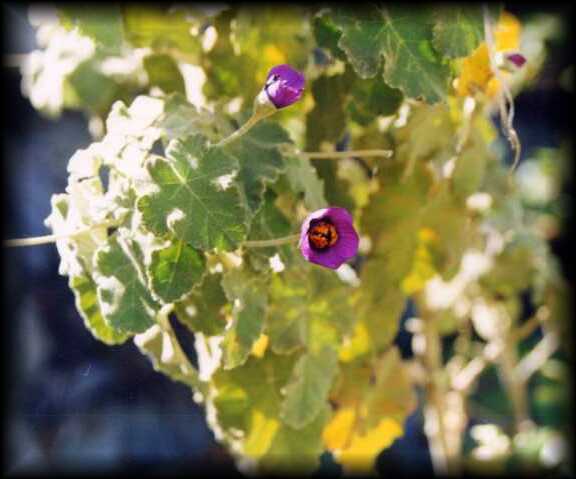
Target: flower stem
{"points": [[271, 242], [38, 240], [255, 118], [329, 155]]}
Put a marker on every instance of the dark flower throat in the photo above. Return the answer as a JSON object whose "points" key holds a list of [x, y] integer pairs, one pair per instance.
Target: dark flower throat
{"points": [[322, 235]]}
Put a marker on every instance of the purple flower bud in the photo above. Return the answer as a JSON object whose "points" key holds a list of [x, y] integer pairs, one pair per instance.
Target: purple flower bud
{"points": [[284, 85], [517, 59], [328, 237]]}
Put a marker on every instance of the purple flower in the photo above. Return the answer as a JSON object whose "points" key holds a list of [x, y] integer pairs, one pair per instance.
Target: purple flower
{"points": [[284, 85], [517, 59], [328, 237]]}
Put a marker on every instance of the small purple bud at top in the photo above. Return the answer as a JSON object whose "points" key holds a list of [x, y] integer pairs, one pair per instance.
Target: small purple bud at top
{"points": [[284, 85], [328, 237], [517, 59]]}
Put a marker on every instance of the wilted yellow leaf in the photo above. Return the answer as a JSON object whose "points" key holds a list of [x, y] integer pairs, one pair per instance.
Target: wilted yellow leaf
{"points": [[355, 451]]}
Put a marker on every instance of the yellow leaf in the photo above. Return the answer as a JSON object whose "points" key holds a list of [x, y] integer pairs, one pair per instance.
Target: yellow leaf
{"points": [[475, 73], [357, 452], [357, 345], [507, 32], [337, 431], [262, 430], [260, 346], [422, 268]]}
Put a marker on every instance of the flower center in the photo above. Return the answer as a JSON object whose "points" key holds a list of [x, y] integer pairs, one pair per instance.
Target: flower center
{"points": [[322, 235]]}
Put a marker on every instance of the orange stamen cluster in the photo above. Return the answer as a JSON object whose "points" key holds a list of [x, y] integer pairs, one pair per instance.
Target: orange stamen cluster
{"points": [[322, 235]]}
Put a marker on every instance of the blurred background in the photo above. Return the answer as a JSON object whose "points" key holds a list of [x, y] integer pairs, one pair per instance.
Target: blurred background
{"points": [[73, 403]]}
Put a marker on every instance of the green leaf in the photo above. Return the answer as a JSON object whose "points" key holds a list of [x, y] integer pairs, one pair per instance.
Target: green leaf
{"points": [[174, 270], [323, 316], [327, 35], [201, 311], [125, 301], [400, 39], [448, 219], [288, 312], [86, 300], [248, 399], [163, 72], [181, 118], [102, 24], [297, 451], [270, 223], [308, 389], [514, 268], [247, 292], [458, 30], [392, 220], [382, 387], [89, 88], [259, 159], [191, 202], [429, 135], [163, 349], [468, 174], [371, 98], [326, 122], [303, 179], [308, 308], [391, 394]]}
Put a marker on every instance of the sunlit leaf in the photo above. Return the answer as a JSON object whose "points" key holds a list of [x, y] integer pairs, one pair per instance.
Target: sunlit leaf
{"points": [[125, 301], [87, 305], [192, 202]]}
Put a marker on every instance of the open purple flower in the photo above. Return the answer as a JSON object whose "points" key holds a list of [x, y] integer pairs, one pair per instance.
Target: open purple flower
{"points": [[328, 237], [284, 85]]}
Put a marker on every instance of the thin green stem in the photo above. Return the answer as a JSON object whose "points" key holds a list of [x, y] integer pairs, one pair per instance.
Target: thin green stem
{"points": [[39, 240], [271, 242], [330, 155], [255, 118]]}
